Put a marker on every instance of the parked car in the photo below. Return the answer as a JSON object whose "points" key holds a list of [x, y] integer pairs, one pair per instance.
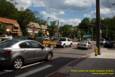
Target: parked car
{"points": [[102, 41], [5, 38], [108, 44], [15, 53], [84, 44], [64, 41]]}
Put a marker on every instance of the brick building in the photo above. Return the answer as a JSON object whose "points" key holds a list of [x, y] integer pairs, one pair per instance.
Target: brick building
{"points": [[10, 26]]}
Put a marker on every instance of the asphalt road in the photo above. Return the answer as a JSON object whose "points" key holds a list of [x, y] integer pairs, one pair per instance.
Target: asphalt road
{"points": [[62, 56]]}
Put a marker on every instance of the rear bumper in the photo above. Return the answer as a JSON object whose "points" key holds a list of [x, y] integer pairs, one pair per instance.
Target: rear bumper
{"points": [[83, 47], [5, 62]]}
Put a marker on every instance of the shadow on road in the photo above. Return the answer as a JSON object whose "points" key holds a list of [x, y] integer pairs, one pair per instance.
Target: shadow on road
{"points": [[90, 67], [56, 64]]}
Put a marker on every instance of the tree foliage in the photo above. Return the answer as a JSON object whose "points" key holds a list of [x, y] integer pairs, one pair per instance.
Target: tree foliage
{"points": [[66, 30], [52, 28], [8, 10], [24, 17], [107, 27]]}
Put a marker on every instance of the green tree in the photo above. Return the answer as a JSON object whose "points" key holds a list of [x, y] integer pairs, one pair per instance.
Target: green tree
{"points": [[84, 25], [2, 30], [108, 30], [24, 17], [7, 9], [52, 28], [66, 31]]}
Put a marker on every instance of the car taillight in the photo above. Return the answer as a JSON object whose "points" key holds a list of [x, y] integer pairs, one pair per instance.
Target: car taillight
{"points": [[7, 52]]}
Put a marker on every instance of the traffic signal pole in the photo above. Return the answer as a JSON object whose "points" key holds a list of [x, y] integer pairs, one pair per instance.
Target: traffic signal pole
{"points": [[97, 51]]}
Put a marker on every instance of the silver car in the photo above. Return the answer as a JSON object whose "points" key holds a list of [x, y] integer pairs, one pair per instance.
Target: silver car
{"points": [[84, 44], [16, 53]]}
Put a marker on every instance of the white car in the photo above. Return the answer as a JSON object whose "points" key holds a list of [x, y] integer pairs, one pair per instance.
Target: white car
{"points": [[63, 42], [84, 44]]}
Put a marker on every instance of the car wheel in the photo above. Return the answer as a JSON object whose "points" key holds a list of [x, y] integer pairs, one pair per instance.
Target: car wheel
{"points": [[49, 57], [52, 47], [91, 47], [71, 45], [64, 45], [17, 63]]}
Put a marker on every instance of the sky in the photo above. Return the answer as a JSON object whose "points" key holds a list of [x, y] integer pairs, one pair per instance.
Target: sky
{"points": [[67, 11]]}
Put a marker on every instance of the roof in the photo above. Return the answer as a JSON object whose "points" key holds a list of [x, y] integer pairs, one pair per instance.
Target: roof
{"points": [[7, 21], [44, 27], [33, 24]]}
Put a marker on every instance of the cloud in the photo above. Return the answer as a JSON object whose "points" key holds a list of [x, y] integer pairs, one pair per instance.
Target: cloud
{"points": [[79, 4], [107, 9], [56, 9], [54, 14], [46, 14], [38, 3], [21, 4], [56, 4], [73, 22], [104, 12], [68, 4], [108, 3]]}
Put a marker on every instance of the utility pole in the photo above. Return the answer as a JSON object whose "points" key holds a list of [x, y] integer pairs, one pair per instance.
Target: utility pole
{"points": [[97, 28]]}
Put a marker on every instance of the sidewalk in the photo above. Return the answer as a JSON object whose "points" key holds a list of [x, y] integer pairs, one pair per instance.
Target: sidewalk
{"points": [[93, 66]]}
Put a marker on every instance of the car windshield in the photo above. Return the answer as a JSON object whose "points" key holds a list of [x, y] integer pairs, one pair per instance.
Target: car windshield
{"points": [[62, 39], [8, 43]]}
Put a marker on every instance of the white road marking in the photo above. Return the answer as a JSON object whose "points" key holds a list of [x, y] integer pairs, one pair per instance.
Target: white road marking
{"points": [[34, 71], [30, 65], [8, 70], [5, 71], [1, 73]]}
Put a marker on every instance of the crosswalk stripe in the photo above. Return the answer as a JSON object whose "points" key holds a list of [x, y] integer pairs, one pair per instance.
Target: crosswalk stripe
{"points": [[34, 71], [31, 65], [2, 73]]}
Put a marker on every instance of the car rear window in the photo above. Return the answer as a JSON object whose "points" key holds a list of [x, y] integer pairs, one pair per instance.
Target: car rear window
{"points": [[7, 43]]}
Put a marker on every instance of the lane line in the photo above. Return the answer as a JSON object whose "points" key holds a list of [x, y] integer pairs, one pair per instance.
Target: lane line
{"points": [[5, 72], [31, 65], [1, 73], [34, 71]]}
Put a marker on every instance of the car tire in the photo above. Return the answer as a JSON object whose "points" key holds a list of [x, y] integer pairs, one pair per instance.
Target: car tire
{"points": [[49, 57], [18, 63], [52, 47], [70, 45], [64, 45]]}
